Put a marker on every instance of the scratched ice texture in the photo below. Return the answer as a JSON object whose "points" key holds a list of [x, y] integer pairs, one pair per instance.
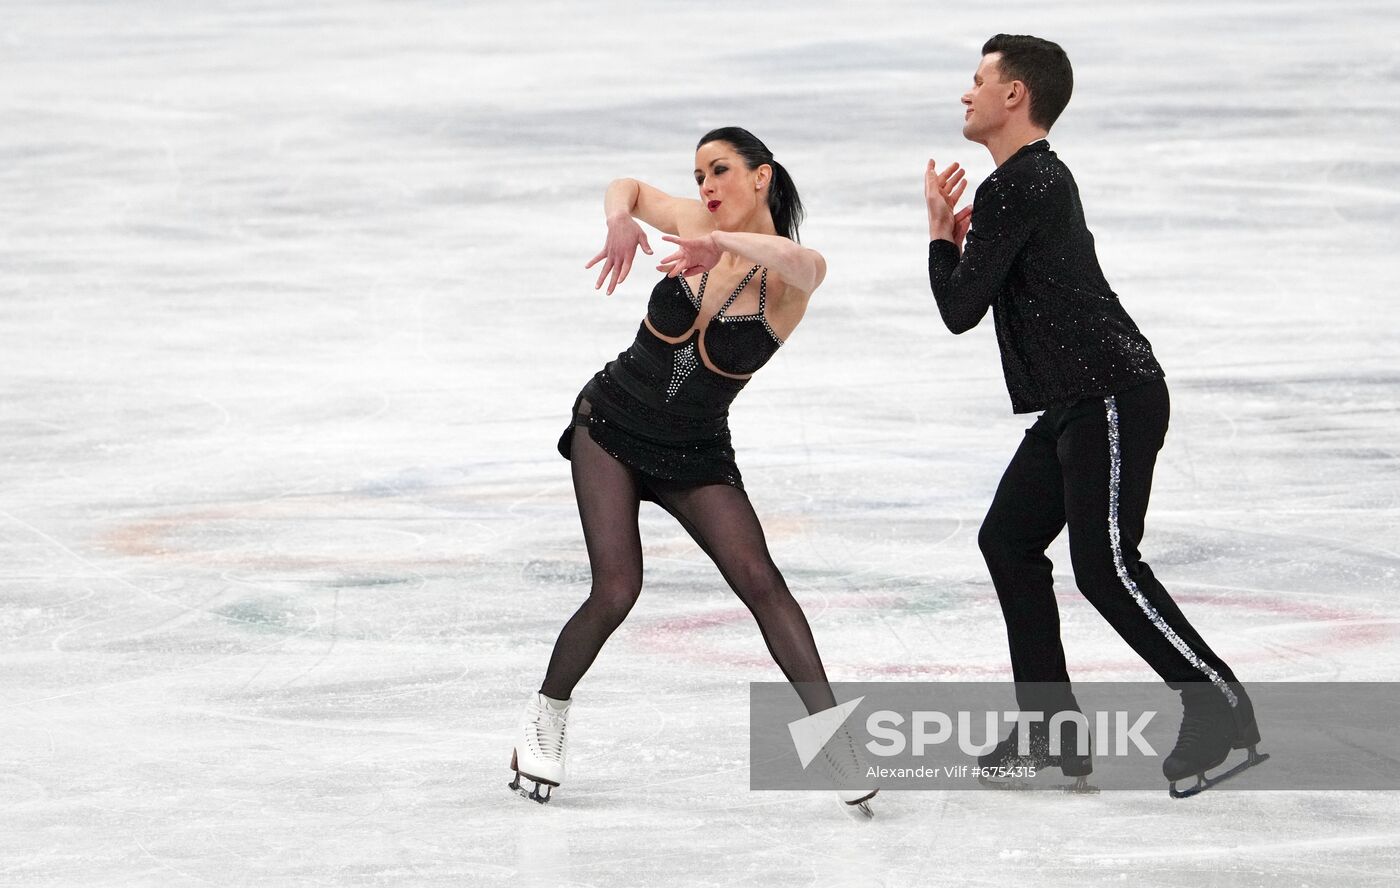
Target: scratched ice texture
{"points": [[293, 308]]}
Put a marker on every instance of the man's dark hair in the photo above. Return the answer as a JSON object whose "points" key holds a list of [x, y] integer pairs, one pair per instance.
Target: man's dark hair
{"points": [[1042, 66]]}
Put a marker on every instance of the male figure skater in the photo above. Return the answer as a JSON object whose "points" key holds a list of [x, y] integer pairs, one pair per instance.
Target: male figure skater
{"points": [[1070, 350]]}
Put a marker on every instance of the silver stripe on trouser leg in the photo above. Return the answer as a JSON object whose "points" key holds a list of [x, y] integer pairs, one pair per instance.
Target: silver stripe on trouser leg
{"points": [[1115, 539]]}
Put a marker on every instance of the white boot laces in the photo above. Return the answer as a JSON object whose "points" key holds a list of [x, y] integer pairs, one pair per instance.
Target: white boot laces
{"points": [[548, 731], [841, 759]]}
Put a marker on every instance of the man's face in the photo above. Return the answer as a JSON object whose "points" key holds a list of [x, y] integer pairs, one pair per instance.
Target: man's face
{"points": [[985, 104]]}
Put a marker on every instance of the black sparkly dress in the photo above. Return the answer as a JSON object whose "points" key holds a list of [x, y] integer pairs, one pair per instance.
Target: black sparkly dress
{"points": [[658, 408]]}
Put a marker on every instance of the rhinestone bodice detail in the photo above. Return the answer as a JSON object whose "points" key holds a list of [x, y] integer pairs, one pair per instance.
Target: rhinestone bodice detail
{"points": [[737, 345]]}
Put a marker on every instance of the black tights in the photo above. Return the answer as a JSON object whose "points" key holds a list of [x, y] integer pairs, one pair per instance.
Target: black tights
{"points": [[719, 518]]}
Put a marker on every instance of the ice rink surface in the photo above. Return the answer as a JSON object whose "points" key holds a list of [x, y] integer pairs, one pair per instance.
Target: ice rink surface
{"points": [[292, 310]]}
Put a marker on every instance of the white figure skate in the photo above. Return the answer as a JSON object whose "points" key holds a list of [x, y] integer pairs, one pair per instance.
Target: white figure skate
{"points": [[841, 762], [539, 755]]}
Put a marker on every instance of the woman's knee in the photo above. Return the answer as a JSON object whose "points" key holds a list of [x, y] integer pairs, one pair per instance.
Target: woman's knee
{"points": [[612, 597], [758, 581]]}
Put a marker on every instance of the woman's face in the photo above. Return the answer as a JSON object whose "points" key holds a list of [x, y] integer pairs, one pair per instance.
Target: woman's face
{"points": [[729, 190]]}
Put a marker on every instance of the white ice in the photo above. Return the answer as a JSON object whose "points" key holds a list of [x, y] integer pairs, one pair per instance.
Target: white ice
{"points": [[292, 309]]}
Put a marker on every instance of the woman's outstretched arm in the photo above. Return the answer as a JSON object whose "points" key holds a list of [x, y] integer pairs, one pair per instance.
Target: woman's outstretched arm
{"points": [[800, 268], [625, 200]]}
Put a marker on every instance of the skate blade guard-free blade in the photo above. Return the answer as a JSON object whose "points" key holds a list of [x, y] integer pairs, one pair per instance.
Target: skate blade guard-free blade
{"points": [[534, 794], [1204, 783], [860, 810], [860, 807]]}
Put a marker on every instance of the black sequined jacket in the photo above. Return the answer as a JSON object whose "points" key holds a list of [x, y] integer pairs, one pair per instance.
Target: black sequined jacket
{"points": [[1030, 257]]}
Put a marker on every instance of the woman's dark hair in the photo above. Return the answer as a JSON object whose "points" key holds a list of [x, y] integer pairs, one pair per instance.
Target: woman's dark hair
{"points": [[783, 202], [1042, 66]]}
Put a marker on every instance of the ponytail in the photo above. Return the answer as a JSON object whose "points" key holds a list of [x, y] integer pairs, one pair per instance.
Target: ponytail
{"points": [[784, 203]]}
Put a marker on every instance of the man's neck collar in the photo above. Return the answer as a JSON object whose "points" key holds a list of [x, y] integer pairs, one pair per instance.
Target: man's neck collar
{"points": [[1011, 144]]}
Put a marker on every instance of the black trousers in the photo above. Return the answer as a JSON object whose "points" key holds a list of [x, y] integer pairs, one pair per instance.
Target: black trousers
{"points": [[1087, 466]]}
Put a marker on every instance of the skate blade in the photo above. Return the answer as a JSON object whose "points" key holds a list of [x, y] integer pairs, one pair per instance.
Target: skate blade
{"points": [[534, 794], [861, 809], [1204, 783]]}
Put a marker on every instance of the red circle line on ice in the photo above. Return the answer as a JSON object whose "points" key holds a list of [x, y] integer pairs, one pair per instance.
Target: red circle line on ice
{"points": [[1337, 629]]}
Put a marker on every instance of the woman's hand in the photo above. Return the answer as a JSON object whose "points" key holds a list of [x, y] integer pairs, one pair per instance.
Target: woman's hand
{"points": [[693, 255], [624, 237]]}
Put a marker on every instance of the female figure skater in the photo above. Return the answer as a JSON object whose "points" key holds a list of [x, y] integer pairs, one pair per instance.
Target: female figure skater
{"points": [[652, 424]]}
